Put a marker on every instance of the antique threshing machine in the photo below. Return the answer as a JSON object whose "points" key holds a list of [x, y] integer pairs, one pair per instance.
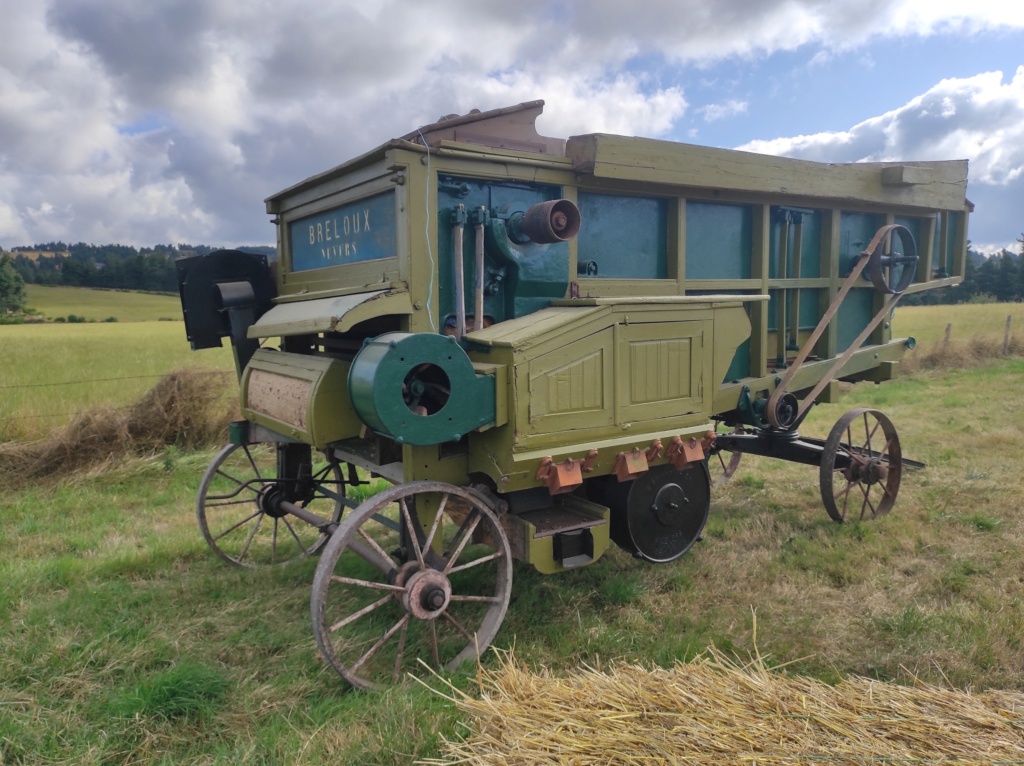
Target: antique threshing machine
{"points": [[545, 346]]}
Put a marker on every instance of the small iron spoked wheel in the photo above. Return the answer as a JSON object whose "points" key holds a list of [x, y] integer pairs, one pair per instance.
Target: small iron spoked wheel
{"points": [[420, 571], [861, 466], [722, 465], [238, 503]]}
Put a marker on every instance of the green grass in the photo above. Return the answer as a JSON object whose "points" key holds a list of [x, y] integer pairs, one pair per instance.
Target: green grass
{"points": [[98, 305], [123, 639], [969, 320], [54, 370]]}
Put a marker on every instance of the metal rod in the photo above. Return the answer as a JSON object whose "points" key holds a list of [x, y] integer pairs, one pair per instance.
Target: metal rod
{"points": [[478, 304], [782, 307], [460, 278], [794, 307]]}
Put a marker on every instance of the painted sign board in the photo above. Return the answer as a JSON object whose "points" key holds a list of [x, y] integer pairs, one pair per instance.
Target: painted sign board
{"points": [[363, 230]]}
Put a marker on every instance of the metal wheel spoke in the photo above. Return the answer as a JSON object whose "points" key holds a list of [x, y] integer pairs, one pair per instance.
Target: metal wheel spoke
{"points": [[295, 536], [434, 654], [273, 543], [375, 545], [436, 523], [248, 542], [241, 485], [458, 626], [397, 673], [356, 615], [383, 640], [466, 537], [413, 541], [367, 584], [233, 527], [475, 562], [252, 462], [486, 599]]}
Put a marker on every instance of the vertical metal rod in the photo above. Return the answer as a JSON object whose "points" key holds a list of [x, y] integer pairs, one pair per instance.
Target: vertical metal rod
{"points": [[794, 308], [478, 304], [782, 307], [460, 277]]}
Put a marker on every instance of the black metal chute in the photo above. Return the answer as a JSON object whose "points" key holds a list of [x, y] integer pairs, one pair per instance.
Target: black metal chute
{"points": [[222, 295]]}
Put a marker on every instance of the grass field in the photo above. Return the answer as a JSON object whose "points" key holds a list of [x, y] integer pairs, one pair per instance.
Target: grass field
{"points": [[123, 639], [98, 305]]}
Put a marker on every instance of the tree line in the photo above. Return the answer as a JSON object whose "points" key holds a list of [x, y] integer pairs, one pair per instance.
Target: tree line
{"points": [[111, 266], [996, 278]]}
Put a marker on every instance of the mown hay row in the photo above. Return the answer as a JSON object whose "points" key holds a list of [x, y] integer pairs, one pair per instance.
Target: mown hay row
{"points": [[186, 409], [714, 711]]}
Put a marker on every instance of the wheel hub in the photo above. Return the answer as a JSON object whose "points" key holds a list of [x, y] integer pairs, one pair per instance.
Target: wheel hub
{"points": [[427, 594], [668, 504], [270, 497]]}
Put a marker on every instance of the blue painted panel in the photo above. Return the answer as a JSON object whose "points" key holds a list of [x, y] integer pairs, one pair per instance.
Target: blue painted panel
{"points": [[359, 231], [810, 251], [718, 241], [622, 237]]}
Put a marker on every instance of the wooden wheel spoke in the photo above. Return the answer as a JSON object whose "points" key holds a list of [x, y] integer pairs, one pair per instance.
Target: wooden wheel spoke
{"points": [[475, 562], [380, 643], [242, 485], [356, 615]]}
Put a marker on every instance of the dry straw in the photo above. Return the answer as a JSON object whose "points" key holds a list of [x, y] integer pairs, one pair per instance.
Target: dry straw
{"points": [[716, 711], [186, 409]]}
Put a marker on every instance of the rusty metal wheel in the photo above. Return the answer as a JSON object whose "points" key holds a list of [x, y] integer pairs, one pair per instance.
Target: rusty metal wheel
{"points": [[722, 465], [420, 571], [238, 502], [861, 466]]}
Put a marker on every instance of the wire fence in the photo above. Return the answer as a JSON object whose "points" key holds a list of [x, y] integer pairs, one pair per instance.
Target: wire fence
{"points": [[156, 376]]}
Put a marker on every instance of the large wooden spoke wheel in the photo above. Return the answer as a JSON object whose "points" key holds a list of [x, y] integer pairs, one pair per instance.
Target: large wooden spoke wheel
{"points": [[238, 503], [418, 572], [861, 466]]}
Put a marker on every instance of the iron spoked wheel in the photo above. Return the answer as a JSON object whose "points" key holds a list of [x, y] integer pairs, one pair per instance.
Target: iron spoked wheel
{"points": [[722, 465], [238, 510], [861, 466], [390, 591]]}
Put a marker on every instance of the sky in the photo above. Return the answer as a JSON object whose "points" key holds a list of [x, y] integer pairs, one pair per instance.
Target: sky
{"points": [[170, 121]]}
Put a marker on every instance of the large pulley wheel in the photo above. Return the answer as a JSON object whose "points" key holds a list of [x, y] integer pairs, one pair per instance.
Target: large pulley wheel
{"points": [[892, 262], [238, 504], [861, 466], [419, 572], [659, 515]]}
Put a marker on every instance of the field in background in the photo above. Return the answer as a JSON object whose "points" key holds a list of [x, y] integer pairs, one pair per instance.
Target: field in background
{"points": [[126, 640], [52, 371], [98, 305]]}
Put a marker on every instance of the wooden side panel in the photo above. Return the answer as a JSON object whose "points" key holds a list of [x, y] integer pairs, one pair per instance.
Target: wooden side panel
{"points": [[660, 369], [940, 185], [572, 387]]}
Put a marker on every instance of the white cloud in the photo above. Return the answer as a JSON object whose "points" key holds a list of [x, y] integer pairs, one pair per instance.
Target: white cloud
{"points": [[715, 112], [145, 122]]}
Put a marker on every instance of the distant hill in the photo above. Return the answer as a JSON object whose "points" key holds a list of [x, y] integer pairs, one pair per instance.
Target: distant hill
{"points": [[93, 305]]}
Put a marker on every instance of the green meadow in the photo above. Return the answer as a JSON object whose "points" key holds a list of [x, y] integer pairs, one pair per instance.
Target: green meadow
{"points": [[124, 639], [100, 305]]}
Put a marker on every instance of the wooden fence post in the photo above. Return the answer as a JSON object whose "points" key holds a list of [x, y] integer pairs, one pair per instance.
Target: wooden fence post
{"points": [[1006, 336], [949, 331]]}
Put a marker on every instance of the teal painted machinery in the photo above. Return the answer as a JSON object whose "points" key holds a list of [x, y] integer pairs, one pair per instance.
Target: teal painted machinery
{"points": [[545, 347]]}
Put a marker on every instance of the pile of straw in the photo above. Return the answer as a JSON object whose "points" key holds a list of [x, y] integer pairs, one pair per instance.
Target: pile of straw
{"points": [[186, 409], [715, 711]]}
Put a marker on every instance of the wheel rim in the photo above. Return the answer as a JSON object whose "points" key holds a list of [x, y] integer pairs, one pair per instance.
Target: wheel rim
{"points": [[861, 466], [436, 591], [238, 511]]}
